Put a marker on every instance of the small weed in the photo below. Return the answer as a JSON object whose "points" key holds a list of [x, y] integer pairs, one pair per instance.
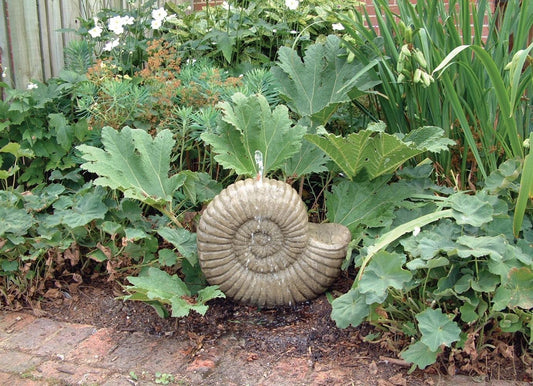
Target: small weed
{"points": [[164, 378]]}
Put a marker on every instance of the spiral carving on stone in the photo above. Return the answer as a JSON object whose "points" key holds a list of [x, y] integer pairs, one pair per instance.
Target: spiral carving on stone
{"points": [[256, 244]]}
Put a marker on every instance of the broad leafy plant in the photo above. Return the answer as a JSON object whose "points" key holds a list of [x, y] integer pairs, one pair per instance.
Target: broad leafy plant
{"points": [[439, 66], [377, 152], [314, 86], [138, 165], [157, 287], [444, 268], [241, 34], [41, 123], [248, 125]]}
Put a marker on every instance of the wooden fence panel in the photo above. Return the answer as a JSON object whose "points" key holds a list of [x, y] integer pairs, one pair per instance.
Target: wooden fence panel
{"points": [[31, 46], [23, 49]]}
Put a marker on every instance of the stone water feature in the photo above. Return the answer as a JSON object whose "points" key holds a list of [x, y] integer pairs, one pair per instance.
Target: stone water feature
{"points": [[256, 244]]}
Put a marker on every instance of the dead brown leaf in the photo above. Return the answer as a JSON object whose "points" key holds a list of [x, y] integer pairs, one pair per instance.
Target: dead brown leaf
{"points": [[398, 379], [470, 346]]}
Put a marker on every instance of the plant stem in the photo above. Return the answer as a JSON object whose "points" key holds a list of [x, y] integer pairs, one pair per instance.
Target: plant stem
{"points": [[399, 231]]}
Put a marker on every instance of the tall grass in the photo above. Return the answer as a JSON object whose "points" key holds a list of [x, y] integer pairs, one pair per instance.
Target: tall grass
{"points": [[440, 67]]}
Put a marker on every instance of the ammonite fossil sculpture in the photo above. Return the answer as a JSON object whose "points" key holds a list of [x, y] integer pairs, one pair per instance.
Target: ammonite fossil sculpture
{"points": [[256, 244]]}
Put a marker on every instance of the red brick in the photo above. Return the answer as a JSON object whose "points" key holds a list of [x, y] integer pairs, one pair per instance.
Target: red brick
{"points": [[31, 335], [132, 353], [95, 347], [64, 340], [71, 373], [17, 362], [12, 322]]}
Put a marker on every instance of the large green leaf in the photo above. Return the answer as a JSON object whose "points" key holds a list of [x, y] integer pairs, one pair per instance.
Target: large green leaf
{"points": [[470, 210], [377, 152], [437, 329], [315, 86], [82, 209], [354, 203], [63, 131], [420, 354], [135, 163], [350, 309], [157, 287], [430, 243], [157, 284], [183, 240], [15, 222], [309, 159], [517, 291], [249, 125], [384, 271]]}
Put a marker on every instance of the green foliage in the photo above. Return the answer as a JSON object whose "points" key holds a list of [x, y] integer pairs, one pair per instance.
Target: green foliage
{"points": [[14, 149], [378, 153], [136, 164], [39, 127], [447, 265], [315, 87], [437, 329], [438, 66], [525, 193], [124, 46], [434, 264], [375, 203], [240, 35], [420, 354], [350, 309], [248, 125], [156, 287], [114, 102], [384, 271]]}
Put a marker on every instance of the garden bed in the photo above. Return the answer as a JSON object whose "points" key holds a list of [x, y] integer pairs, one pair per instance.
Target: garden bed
{"points": [[271, 338]]}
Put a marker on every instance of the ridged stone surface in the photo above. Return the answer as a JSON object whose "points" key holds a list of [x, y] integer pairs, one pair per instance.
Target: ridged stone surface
{"points": [[255, 243]]}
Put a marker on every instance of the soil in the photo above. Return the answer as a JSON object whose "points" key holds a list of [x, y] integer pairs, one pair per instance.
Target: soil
{"points": [[304, 332]]}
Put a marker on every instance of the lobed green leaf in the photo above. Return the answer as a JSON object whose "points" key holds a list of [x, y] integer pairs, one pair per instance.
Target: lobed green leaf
{"points": [[249, 125], [437, 329], [135, 163]]}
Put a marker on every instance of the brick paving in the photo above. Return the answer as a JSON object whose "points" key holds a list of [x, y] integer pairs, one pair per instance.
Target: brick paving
{"points": [[42, 351]]}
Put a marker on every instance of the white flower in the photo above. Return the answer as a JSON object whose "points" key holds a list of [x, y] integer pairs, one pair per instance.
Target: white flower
{"points": [[110, 45], [159, 14], [31, 86], [116, 24], [95, 31], [293, 32], [226, 6], [416, 231], [156, 23], [337, 27], [128, 20], [292, 4]]}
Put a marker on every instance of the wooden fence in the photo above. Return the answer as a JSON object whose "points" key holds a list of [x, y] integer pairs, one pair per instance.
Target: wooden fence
{"points": [[31, 47]]}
